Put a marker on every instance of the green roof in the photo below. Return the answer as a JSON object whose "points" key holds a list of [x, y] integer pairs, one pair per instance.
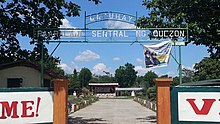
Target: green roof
{"points": [[214, 82]]}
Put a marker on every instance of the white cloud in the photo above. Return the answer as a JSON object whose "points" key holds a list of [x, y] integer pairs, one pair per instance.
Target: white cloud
{"points": [[67, 69], [86, 56], [138, 60], [118, 24], [171, 74], [190, 68], [70, 33], [141, 70], [116, 58], [66, 24], [99, 69]]}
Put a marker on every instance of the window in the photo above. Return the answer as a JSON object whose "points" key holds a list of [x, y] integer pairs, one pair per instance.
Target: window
{"points": [[47, 83], [14, 82]]}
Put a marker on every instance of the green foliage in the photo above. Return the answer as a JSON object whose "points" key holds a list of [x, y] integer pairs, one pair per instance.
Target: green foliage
{"points": [[119, 76], [139, 81], [188, 75], [148, 77], [164, 76], [149, 84], [102, 79], [21, 17], [74, 80], [201, 16], [126, 75], [175, 81], [207, 69], [151, 93], [85, 76]]}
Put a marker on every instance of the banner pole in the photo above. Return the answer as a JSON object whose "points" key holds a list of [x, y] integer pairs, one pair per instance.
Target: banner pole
{"points": [[85, 26], [180, 66]]}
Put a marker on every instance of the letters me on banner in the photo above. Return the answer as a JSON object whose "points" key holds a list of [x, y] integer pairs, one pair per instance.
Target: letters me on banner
{"points": [[157, 55], [26, 107]]}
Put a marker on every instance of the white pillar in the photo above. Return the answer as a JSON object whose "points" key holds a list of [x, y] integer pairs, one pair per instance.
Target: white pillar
{"points": [[74, 93], [132, 93]]}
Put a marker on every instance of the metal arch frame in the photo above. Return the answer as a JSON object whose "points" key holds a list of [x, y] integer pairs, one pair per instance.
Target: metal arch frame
{"points": [[85, 29], [110, 12]]}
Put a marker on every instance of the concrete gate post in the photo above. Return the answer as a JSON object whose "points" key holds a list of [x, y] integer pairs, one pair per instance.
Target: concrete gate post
{"points": [[60, 101], [163, 100]]}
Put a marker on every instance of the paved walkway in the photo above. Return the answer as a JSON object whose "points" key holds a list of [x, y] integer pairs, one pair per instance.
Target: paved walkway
{"points": [[113, 111]]}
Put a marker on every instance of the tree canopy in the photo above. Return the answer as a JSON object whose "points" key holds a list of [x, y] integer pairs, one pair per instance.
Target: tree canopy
{"points": [[207, 69], [148, 77], [85, 76], [74, 80], [201, 16], [21, 17], [126, 75]]}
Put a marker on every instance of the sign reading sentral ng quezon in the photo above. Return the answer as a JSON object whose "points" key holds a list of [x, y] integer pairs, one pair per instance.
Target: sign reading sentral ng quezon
{"points": [[199, 106], [113, 35]]}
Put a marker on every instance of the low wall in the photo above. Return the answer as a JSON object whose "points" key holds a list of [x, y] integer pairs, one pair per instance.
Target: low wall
{"points": [[73, 107], [147, 104]]}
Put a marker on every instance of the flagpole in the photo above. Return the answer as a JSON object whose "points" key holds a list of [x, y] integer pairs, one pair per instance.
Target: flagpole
{"points": [[180, 66]]}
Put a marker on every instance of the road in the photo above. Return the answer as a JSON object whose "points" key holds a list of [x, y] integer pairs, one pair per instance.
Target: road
{"points": [[113, 111]]}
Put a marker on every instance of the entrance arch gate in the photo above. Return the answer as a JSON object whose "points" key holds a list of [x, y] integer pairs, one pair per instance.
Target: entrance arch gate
{"points": [[179, 36]]}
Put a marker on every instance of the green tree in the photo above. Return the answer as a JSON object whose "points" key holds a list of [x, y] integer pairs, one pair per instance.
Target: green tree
{"points": [[21, 17], [74, 80], [148, 77], [85, 76], [207, 69], [149, 86], [102, 79], [164, 76], [176, 81], [126, 75], [151, 93], [201, 16], [120, 76], [188, 75], [139, 81]]}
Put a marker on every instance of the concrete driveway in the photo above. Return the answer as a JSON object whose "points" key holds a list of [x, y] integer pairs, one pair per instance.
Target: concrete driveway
{"points": [[113, 111]]}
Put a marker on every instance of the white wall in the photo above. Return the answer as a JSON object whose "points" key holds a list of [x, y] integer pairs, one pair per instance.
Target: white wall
{"points": [[30, 76]]}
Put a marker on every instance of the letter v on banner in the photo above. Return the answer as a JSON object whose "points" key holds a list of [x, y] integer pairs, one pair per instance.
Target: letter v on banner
{"points": [[205, 108], [199, 106]]}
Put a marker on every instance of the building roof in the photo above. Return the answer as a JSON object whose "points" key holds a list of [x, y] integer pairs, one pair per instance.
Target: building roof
{"points": [[214, 82], [128, 89], [30, 64], [103, 84]]}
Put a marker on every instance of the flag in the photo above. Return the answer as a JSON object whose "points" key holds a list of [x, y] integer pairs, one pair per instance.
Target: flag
{"points": [[157, 55]]}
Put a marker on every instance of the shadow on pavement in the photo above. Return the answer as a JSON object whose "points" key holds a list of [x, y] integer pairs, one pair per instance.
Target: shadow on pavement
{"points": [[152, 119], [80, 120]]}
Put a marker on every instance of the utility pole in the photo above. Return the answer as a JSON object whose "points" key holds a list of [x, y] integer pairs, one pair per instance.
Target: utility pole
{"points": [[42, 64]]}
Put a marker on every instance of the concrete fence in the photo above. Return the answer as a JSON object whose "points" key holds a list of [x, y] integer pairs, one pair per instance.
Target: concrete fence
{"points": [[73, 107], [147, 104]]}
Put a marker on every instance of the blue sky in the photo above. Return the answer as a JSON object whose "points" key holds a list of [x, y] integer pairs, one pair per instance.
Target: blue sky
{"points": [[109, 56]]}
